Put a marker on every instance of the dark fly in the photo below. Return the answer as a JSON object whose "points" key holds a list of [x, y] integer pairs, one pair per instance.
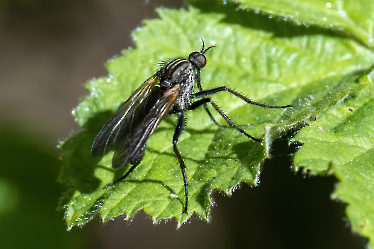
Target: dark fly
{"points": [[169, 91]]}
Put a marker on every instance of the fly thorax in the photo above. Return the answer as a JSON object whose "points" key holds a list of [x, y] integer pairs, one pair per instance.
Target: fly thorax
{"points": [[171, 72], [187, 81], [180, 73]]}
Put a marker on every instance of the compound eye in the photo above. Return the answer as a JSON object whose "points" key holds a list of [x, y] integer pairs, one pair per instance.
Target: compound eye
{"points": [[201, 58], [198, 59]]}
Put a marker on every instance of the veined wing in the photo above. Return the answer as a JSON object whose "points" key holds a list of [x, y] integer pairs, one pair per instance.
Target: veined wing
{"points": [[114, 131], [132, 149]]}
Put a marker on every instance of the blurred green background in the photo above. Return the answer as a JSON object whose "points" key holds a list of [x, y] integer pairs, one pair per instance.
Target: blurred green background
{"points": [[48, 50]]}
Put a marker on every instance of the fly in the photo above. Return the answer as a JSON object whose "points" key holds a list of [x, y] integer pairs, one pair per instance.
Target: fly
{"points": [[169, 91]]}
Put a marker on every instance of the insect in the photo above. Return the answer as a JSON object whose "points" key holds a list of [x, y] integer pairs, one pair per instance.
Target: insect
{"points": [[169, 91]]}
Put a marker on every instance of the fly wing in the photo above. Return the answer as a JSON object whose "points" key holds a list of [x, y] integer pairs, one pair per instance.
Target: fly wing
{"points": [[132, 149], [119, 127]]}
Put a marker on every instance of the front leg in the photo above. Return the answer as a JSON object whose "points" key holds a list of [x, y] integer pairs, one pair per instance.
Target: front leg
{"points": [[205, 105], [206, 93]]}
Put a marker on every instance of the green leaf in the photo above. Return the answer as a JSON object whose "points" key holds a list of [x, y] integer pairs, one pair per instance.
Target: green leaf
{"points": [[272, 62], [341, 142], [356, 18]]}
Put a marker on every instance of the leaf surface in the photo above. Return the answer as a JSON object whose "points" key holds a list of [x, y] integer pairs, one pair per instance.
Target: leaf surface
{"points": [[313, 70], [354, 18], [341, 142]]}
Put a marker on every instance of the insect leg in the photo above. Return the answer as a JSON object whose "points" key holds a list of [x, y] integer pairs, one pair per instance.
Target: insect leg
{"points": [[205, 105], [178, 131], [206, 93], [209, 100], [123, 177]]}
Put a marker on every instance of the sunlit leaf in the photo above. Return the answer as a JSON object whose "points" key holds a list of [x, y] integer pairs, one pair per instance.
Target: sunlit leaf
{"points": [[269, 61]]}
